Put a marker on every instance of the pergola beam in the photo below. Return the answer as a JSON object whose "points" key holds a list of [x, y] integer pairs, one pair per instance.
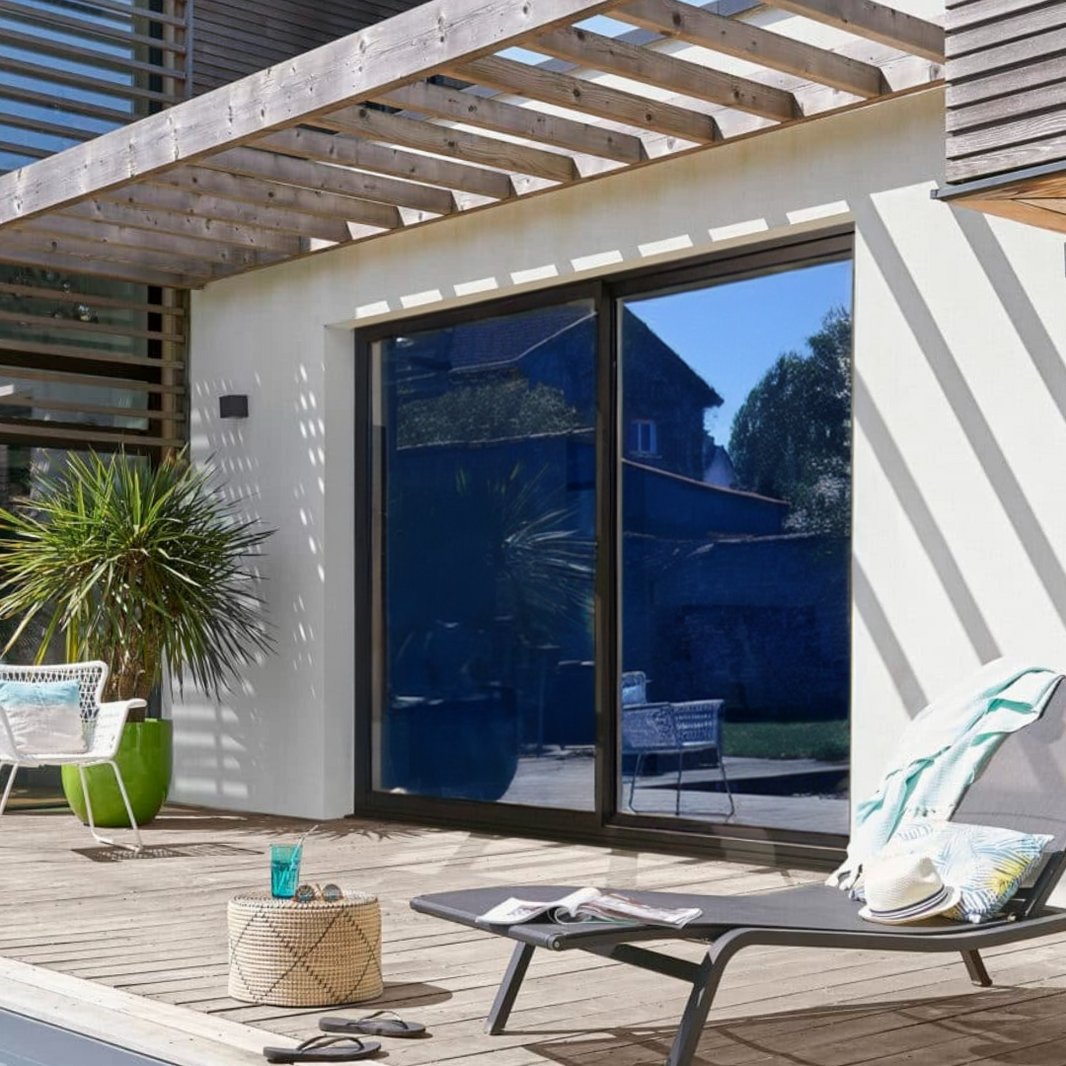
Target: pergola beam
{"points": [[99, 248], [596, 52], [322, 147], [698, 26], [37, 256], [579, 94], [286, 170], [875, 22], [113, 237], [183, 224], [399, 50], [285, 203], [441, 140], [525, 122]]}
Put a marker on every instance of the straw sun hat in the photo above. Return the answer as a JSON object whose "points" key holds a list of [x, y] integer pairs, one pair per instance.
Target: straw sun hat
{"points": [[905, 888]]}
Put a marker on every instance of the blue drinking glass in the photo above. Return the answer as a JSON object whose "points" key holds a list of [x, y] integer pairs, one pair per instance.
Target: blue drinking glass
{"points": [[284, 870]]}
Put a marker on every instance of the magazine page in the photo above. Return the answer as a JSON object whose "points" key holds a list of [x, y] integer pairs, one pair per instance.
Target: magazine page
{"points": [[513, 911], [613, 906]]}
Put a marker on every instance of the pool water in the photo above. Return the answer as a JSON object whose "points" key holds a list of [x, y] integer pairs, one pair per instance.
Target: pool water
{"points": [[25, 1042]]}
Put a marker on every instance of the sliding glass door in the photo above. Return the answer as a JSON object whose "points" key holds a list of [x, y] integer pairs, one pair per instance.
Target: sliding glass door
{"points": [[735, 474], [608, 542], [488, 491]]}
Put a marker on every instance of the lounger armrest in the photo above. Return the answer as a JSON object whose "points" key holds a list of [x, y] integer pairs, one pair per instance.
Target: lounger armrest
{"points": [[107, 732]]}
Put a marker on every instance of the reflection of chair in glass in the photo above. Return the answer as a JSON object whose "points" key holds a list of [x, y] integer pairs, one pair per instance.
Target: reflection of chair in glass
{"points": [[43, 732], [668, 729]]}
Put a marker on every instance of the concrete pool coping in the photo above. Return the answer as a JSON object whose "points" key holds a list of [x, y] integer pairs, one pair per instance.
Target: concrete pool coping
{"points": [[162, 1030]]}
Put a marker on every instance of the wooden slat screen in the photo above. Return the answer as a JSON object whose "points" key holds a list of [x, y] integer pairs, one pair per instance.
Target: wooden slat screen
{"points": [[228, 44], [1006, 86], [86, 362]]}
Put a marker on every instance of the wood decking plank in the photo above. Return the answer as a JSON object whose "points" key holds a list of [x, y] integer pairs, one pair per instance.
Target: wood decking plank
{"points": [[156, 928]]}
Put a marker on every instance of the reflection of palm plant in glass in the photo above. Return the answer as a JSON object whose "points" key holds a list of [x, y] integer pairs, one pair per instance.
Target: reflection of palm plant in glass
{"points": [[546, 563], [140, 566]]}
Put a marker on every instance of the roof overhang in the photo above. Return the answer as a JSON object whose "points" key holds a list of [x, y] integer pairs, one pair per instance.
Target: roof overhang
{"points": [[352, 141], [1035, 195]]}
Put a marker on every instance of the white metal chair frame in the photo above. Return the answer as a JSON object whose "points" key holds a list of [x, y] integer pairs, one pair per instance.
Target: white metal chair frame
{"points": [[102, 723]]}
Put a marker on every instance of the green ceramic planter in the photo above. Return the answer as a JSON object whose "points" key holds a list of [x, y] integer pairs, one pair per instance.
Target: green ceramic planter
{"points": [[144, 757]]}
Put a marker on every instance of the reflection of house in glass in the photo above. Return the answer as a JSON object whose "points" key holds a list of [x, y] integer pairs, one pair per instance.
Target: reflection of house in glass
{"points": [[491, 517]]}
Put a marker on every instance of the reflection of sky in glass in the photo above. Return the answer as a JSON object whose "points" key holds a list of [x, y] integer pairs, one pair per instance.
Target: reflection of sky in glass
{"points": [[731, 334]]}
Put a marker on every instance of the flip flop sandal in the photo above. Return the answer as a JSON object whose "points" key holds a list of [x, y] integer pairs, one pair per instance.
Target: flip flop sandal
{"points": [[380, 1023], [324, 1049]]}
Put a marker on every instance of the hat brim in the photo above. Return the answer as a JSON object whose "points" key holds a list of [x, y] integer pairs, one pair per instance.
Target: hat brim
{"points": [[935, 907]]}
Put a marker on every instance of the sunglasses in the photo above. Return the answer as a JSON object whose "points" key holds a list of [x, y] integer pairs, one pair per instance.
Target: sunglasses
{"points": [[327, 893]]}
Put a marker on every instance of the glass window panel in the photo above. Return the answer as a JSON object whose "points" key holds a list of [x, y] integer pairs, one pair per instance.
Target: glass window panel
{"points": [[736, 515], [488, 483]]}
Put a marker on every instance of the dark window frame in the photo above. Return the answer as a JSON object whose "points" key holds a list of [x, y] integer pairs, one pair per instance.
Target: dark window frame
{"points": [[605, 825]]}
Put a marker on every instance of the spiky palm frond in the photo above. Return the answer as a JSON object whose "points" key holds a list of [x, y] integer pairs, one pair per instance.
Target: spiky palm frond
{"points": [[136, 565]]}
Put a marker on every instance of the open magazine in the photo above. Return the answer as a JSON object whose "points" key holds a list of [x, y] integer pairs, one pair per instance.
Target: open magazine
{"points": [[588, 905]]}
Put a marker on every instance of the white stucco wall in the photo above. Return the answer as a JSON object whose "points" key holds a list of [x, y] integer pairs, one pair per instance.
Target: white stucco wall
{"points": [[960, 401]]}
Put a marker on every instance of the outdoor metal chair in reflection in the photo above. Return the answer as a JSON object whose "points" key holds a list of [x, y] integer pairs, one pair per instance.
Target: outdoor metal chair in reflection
{"points": [[36, 729], [669, 728]]}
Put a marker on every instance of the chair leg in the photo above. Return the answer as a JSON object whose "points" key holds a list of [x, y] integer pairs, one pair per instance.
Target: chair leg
{"points": [[508, 991], [633, 780], [677, 783], [7, 787], [725, 782], [125, 799], [975, 967]]}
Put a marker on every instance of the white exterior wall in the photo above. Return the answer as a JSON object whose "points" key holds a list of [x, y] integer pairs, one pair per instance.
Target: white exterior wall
{"points": [[960, 397]]}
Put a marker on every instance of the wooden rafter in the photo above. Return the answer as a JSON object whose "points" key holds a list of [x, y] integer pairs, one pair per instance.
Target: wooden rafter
{"points": [[696, 25], [591, 98], [119, 242], [305, 173], [677, 76], [441, 140], [384, 159], [525, 122], [285, 207], [876, 22], [183, 224], [354, 139]]}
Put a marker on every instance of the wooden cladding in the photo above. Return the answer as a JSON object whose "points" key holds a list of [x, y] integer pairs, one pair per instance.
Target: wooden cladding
{"points": [[71, 72], [1006, 86], [89, 364], [232, 38]]}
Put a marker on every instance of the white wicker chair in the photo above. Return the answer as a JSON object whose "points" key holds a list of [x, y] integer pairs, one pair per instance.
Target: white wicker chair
{"points": [[102, 723]]}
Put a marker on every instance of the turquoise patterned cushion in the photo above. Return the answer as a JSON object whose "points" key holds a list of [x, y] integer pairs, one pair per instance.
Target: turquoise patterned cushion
{"points": [[987, 863]]}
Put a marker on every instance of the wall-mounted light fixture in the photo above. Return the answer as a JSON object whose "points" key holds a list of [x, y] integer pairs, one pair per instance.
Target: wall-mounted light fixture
{"points": [[235, 406]]}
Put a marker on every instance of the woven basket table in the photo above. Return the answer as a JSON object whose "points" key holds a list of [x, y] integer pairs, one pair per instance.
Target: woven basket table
{"points": [[314, 954]]}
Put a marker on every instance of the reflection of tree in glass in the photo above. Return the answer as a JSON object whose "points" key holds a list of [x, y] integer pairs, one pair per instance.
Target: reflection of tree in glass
{"points": [[495, 410], [791, 437]]}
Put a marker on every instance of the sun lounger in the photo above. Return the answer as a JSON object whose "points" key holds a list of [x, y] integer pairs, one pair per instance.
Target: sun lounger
{"points": [[1023, 787]]}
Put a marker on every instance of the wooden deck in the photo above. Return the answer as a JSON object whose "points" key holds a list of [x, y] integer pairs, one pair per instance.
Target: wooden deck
{"points": [[154, 926]]}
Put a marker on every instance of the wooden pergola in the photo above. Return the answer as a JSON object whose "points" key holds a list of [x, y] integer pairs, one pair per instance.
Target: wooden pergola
{"points": [[430, 114]]}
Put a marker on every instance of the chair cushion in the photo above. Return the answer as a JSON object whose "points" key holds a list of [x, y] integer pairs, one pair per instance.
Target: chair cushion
{"points": [[44, 716], [633, 689], [987, 863]]}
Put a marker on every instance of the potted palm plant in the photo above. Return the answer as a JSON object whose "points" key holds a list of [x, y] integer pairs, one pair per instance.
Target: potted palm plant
{"points": [[147, 567]]}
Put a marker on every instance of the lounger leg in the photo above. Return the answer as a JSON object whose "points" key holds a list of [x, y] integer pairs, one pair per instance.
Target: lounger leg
{"points": [[508, 991], [975, 967], [704, 987], [7, 788]]}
